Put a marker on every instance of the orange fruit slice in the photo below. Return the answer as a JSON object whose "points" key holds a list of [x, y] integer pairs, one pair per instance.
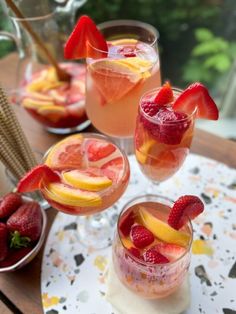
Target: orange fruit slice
{"points": [[52, 112]]}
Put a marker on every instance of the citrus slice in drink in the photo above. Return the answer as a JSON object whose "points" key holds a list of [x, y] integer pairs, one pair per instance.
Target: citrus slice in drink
{"points": [[66, 154], [31, 103], [115, 78], [66, 195], [162, 230], [52, 112], [97, 150], [114, 168], [86, 180]]}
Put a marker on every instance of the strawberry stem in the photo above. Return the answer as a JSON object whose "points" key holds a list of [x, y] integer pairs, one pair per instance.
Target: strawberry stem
{"points": [[17, 241]]}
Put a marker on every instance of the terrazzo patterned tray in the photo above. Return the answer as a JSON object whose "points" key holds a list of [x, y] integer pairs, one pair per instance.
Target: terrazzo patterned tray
{"points": [[73, 277]]}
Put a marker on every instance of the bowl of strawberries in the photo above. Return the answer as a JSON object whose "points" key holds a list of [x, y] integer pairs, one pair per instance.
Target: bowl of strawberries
{"points": [[22, 231]]}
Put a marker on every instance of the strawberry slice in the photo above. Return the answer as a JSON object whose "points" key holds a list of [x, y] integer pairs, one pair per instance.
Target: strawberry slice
{"points": [[141, 236], [126, 222], [186, 207], [169, 250], [154, 257], [98, 149], [196, 95], [32, 179], [165, 95], [85, 41]]}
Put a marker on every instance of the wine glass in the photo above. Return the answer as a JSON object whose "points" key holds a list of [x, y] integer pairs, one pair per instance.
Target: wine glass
{"points": [[94, 173], [161, 144]]}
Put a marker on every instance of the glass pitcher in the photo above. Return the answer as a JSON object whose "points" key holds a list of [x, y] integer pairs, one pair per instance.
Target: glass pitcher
{"points": [[58, 106]]}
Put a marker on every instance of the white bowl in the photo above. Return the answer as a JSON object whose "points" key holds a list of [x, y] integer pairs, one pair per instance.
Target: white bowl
{"points": [[31, 255]]}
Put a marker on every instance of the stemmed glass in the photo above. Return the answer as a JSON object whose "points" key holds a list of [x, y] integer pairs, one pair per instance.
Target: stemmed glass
{"points": [[116, 82], [94, 173], [161, 146]]}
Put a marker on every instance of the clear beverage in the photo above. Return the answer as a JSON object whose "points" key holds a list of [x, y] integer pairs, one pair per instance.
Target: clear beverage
{"points": [[162, 146], [56, 104], [116, 83], [94, 174], [152, 280]]}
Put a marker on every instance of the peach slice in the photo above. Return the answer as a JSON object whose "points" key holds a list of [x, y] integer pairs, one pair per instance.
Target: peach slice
{"points": [[85, 181], [127, 243], [66, 195], [162, 230]]}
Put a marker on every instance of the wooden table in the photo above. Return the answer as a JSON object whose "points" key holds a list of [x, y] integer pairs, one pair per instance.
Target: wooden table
{"points": [[20, 291]]}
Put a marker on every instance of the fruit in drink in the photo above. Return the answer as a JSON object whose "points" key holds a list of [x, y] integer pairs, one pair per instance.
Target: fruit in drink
{"points": [[86, 174], [53, 103]]}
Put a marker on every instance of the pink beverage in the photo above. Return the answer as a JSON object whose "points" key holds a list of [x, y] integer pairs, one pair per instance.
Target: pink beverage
{"points": [[116, 83], [94, 174], [55, 104], [163, 137], [156, 268]]}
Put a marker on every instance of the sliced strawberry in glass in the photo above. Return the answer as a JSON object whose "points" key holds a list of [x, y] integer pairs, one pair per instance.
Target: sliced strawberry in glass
{"points": [[165, 95], [197, 96], [32, 179], [85, 41]]}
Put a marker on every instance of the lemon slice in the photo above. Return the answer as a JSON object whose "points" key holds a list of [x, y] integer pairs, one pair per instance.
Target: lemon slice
{"points": [[124, 41], [162, 230], [142, 152], [84, 181], [65, 195], [31, 103], [52, 109]]}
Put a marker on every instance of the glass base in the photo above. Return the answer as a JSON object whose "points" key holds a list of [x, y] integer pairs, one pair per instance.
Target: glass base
{"points": [[96, 231], [63, 131]]}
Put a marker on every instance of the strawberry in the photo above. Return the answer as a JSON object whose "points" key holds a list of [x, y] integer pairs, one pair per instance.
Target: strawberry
{"points": [[134, 251], [27, 220], [85, 41], [3, 241], [126, 222], [169, 250], [170, 127], [14, 256], [32, 179], [186, 207], [196, 95], [141, 236], [154, 257], [9, 204], [165, 95], [98, 149]]}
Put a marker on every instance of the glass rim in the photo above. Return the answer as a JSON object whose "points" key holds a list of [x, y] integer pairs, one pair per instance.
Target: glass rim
{"points": [[136, 259], [125, 22], [91, 135], [154, 120]]}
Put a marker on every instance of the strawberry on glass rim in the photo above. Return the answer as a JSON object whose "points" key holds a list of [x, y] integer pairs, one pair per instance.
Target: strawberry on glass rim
{"points": [[152, 244], [85, 41], [82, 175]]}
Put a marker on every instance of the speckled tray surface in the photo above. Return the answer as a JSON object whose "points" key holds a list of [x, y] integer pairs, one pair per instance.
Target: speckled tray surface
{"points": [[73, 277]]}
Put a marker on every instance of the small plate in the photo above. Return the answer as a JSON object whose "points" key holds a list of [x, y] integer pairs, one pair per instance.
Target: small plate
{"points": [[31, 255]]}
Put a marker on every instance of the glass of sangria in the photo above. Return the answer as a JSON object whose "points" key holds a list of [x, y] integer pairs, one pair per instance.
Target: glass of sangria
{"points": [[151, 250], [115, 82], [82, 175], [165, 128]]}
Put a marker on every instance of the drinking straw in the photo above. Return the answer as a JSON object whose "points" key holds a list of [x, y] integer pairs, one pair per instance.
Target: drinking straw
{"points": [[16, 132], [62, 75]]}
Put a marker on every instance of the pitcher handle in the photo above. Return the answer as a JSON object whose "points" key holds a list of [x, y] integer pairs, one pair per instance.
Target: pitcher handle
{"points": [[9, 36]]}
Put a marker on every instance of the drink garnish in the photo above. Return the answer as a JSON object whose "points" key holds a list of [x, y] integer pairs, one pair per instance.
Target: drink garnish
{"points": [[197, 96], [165, 95], [33, 179], [186, 207], [85, 41]]}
